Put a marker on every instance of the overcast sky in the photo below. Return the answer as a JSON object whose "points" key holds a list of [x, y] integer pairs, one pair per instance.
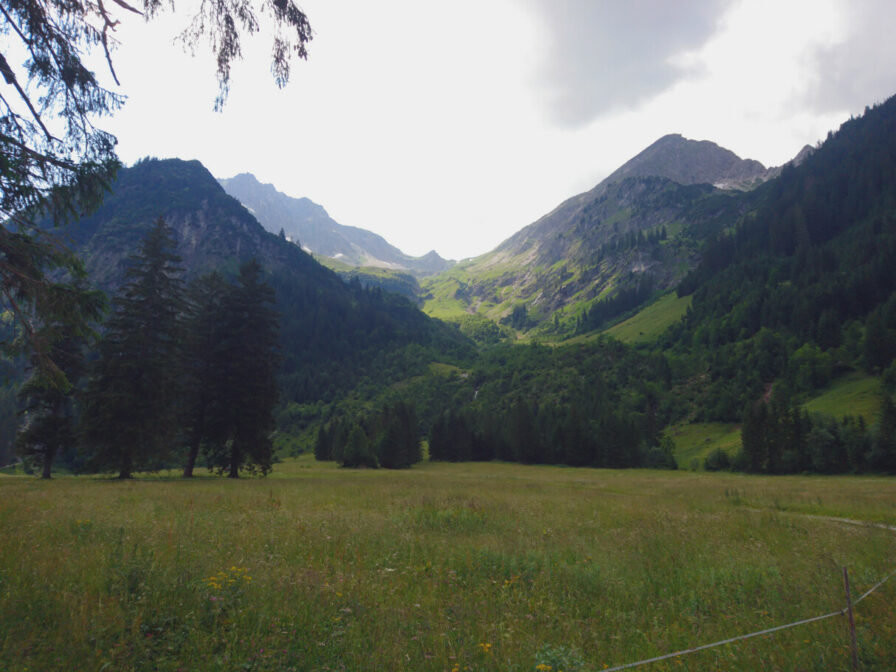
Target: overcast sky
{"points": [[450, 126]]}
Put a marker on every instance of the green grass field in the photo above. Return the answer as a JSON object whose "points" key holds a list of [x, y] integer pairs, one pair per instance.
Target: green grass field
{"points": [[442, 567], [649, 323], [854, 393], [697, 440]]}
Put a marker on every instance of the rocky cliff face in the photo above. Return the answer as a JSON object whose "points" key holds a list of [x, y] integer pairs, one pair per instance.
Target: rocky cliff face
{"points": [[213, 229]]}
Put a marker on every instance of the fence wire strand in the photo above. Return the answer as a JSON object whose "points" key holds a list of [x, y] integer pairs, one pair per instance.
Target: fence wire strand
{"points": [[731, 640]]}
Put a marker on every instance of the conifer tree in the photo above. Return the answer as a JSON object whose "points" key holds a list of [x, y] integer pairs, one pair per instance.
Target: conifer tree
{"points": [[357, 452], [204, 367], [883, 451], [323, 443], [133, 396], [398, 444], [48, 396], [250, 357], [753, 435]]}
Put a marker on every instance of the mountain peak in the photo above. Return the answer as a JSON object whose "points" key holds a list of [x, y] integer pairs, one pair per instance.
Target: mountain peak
{"points": [[685, 161]]}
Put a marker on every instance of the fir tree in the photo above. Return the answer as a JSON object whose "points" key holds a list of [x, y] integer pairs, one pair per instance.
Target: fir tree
{"points": [[133, 396], [883, 451], [398, 445], [48, 397], [250, 353], [357, 452], [204, 368]]}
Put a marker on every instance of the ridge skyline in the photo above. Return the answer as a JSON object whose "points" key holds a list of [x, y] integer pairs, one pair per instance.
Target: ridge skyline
{"points": [[752, 173]]}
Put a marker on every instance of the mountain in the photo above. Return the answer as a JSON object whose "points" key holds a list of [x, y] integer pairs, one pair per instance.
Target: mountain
{"points": [[783, 291], [638, 231], [309, 225], [334, 335], [212, 228], [790, 298], [803, 289], [693, 162]]}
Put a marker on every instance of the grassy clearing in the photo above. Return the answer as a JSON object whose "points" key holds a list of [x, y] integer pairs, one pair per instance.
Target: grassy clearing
{"points": [[855, 393], [649, 323], [443, 567], [697, 440]]}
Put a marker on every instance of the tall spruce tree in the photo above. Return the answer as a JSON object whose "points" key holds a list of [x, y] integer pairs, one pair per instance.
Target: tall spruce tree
{"points": [[133, 396], [398, 441], [249, 347], [204, 367]]}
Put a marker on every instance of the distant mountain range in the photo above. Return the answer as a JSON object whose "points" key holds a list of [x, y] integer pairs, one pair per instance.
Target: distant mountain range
{"points": [[746, 284], [638, 230], [308, 224]]}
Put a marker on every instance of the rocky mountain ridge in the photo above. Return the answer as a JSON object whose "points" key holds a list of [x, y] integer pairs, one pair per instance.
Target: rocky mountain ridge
{"points": [[308, 224], [211, 227]]}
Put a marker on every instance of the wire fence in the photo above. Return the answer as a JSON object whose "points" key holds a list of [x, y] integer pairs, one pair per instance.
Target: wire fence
{"points": [[842, 612]]}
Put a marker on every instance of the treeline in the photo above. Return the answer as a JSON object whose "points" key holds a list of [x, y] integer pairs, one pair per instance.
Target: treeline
{"points": [[780, 438], [388, 439], [598, 404], [571, 435], [631, 240], [178, 373]]}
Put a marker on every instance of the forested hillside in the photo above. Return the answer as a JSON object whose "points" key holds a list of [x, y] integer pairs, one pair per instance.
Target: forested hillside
{"points": [[335, 338], [333, 334], [806, 283]]}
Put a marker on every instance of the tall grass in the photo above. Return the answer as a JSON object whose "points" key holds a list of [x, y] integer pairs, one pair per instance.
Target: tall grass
{"points": [[443, 567]]}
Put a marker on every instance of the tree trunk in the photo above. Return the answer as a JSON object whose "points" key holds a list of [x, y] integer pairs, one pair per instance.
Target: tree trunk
{"points": [[48, 463], [234, 461], [126, 466], [192, 455]]}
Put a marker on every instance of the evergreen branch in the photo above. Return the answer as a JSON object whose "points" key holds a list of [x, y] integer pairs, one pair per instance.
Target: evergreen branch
{"points": [[11, 79]]}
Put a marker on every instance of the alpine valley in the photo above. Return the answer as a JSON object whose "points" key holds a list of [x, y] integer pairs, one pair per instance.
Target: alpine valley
{"points": [[692, 309]]}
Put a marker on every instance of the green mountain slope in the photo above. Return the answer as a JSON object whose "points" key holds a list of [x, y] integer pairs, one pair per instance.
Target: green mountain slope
{"points": [[634, 235], [791, 308], [335, 336], [805, 288]]}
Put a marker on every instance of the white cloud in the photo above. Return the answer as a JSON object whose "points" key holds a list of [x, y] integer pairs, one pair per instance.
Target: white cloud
{"points": [[859, 69], [604, 56]]}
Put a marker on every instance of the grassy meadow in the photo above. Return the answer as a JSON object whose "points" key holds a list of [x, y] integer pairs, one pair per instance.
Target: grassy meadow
{"points": [[441, 567], [695, 441], [854, 393], [646, 325]]}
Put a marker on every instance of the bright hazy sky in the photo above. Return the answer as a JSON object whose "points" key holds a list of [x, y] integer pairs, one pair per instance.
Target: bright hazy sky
{"points": [[450, 126]]}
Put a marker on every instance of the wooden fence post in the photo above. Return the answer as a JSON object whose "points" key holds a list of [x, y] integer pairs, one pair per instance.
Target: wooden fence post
{"points": [[852, 623]]}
